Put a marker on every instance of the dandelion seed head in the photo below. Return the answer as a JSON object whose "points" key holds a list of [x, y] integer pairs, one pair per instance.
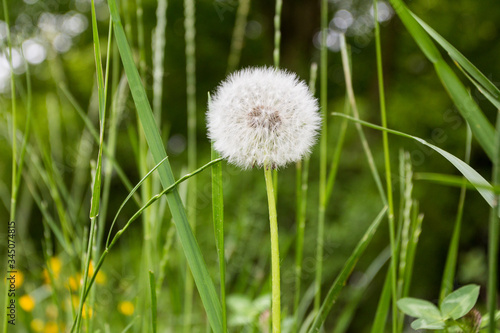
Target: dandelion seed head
{"points": [[263, 116]]}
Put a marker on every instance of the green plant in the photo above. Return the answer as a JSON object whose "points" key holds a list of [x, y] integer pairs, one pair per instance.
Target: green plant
{"points": [[452, 314]]}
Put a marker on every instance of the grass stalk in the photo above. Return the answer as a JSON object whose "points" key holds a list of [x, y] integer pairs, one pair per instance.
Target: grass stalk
{"points": [[276, 59], [323, 154], [302, 178], [238, 35], [189, 37], [152, 289], [275, 252], [451, 259], [218, 218], [387, 162], [494, 232]]}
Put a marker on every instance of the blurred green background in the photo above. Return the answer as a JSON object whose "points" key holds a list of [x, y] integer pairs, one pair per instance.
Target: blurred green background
{"points": [[56, 39]]}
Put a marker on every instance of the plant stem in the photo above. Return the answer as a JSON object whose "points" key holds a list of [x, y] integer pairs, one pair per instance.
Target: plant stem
{"points": [[493, 236], [387, 161], [323, 154], [275, 252]]}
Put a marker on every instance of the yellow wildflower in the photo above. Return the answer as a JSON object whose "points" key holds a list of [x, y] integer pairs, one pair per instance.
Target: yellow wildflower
{"points": [[27, 303], [126, 308]]}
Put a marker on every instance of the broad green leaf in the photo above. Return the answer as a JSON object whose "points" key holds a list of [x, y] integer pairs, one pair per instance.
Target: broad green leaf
{"points": [[204, 283], [460, 302], [482, 186], [421, 324], [340, 282], [419, 308]]}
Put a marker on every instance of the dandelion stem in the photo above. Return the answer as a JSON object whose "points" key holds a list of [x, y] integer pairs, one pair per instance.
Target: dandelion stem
{"points": [[275, 252]]}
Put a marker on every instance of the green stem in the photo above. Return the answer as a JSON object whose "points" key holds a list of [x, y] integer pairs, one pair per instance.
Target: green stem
{"points": [[275, 252], [387, 161], [323, 154], [493, 236], [238, 35]]}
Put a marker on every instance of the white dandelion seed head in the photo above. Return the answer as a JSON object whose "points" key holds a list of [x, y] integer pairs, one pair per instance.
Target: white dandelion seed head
{"points": [[263, 116]]}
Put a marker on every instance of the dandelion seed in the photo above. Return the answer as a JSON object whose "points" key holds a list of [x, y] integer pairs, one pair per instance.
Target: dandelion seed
{"points": [[263, 116]]}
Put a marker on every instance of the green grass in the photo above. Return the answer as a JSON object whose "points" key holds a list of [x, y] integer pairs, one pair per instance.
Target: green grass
{"points": [[122, 228]]}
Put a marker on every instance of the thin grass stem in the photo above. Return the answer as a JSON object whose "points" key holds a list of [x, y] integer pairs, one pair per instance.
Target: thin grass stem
{"points": [[238, 35], [323, 154]]}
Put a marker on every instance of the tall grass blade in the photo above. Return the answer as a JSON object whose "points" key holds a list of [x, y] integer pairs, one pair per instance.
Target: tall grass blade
{"points": [[451, 259], [481, 128], [192, 251], [323, 153], [472, 70], [493, 239], [346, 271], [218, 217], [152, 290], [484, 188], [238, 35]]}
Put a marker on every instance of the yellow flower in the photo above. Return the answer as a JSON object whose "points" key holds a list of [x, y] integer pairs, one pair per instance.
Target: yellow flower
{"points": [[19, 279], [27, 303], [74, 281], [51, 327], [55, 265], [87, 312], [126, 308], [100, 278], [37, 325]]}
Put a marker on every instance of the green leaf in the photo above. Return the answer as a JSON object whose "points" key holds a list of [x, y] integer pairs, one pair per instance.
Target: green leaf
{"points": [[460, 302], [422, 323], [419, 308]]}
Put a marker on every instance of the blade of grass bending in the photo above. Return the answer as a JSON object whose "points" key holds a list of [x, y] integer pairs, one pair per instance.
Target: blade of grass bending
{"points": [[484, 188], [460, 59], [494, 231], [340, 282], [451, 259], [152, 290], [192, 251], [481, 128], [490, 97], [117, 236], [387, 162], [218, 218]]}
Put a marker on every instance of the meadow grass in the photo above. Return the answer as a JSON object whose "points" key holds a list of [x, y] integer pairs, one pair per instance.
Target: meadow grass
{"points": [[166, 274]]}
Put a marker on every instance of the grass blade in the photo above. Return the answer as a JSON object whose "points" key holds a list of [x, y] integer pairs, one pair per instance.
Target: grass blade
{"points": [[460, 59], [340, 282], [192, 251], [152, 289], [451, 259], [218, 217], [484, 188], [481, 128]]}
